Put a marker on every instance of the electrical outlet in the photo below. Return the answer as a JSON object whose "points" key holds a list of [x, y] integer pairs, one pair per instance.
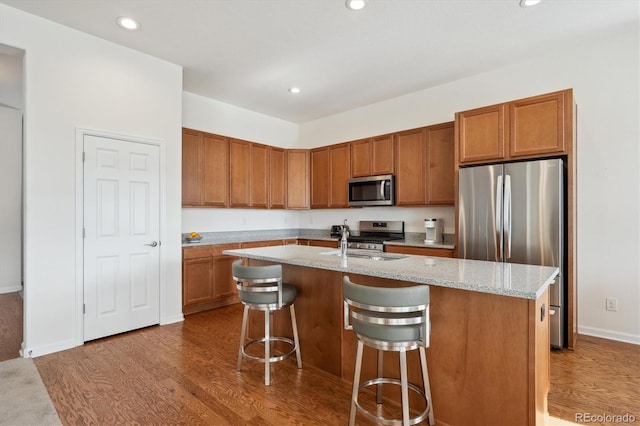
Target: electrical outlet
{"points": [[612, 304]]}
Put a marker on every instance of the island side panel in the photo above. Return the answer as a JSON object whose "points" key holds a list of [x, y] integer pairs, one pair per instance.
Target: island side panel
{"points": [[539, 359]]}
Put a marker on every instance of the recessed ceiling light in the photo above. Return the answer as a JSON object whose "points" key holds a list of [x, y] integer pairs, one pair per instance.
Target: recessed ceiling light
{"points": [[356, 4], [128, 23], [528, 3], [294, 90]]}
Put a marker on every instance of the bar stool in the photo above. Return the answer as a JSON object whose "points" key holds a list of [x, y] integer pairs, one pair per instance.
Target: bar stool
{"points": [[389, 319], [261, 288]]}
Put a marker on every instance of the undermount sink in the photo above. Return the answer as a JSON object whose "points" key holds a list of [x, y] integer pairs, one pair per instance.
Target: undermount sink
{"points": [[366, 255]]}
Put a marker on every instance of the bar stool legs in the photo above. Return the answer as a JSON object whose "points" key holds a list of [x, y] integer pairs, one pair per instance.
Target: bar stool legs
{"points": [[404, 389], [268, 340]]}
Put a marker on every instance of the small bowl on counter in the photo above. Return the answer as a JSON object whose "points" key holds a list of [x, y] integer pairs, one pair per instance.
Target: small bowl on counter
{"points": [[193, 239]]}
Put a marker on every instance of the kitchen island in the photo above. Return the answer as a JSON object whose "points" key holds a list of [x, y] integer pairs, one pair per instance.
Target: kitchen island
{"points": [[489, 346]]}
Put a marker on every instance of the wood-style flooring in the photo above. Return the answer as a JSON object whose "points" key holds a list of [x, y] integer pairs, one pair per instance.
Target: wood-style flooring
{"points": [[185, 374], [10, 325]]}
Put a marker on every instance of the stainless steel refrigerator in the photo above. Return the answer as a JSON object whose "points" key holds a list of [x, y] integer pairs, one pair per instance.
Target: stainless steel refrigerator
{"points": [[514, 212]]}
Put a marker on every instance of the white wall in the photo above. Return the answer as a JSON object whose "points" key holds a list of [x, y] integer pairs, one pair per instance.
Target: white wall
{"points": [[604, 76], [212, 116], [10, 200], [74, 80]]}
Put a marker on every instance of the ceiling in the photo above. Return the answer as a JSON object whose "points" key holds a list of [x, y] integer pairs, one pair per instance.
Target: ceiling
{"points": [[249, 52]]}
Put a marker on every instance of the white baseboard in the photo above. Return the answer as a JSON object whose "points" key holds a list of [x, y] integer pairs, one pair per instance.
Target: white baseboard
{"points": [[608, 334], [36, 351], [12, 289], [172, 319]]}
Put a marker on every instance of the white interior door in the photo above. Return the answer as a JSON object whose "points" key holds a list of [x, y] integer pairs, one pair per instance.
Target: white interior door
{"points": [[121, 236]]}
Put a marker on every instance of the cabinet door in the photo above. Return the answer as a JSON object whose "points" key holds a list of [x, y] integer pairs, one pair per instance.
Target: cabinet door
{"points": [[258, 175], [197, 281], [537, 125], [410, 167], [482, 134], [382, 155], [440, 165], [277, 178], [297, 179], [215, 176], [191, 164], [361, 157], [239, 162], [225, 286], [340, 166], [320, 178]]}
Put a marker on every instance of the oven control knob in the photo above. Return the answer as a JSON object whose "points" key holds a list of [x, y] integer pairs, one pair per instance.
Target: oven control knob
{"points": [[357, 245]]}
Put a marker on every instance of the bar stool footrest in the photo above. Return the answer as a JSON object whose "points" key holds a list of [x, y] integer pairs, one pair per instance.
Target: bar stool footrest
{"points": [[273, 358], [386, 421]]}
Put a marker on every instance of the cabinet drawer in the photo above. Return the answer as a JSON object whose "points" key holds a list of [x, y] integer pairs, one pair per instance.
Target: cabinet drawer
{"points": [[207, 251], [421, 251], [269, 243]]}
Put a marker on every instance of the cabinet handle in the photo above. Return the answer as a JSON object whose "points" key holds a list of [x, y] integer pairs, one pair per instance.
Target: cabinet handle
{"points": [[543, 312]]}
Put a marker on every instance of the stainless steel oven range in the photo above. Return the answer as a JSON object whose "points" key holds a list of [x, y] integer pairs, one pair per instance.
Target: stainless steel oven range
{"points": [[373, 234]]}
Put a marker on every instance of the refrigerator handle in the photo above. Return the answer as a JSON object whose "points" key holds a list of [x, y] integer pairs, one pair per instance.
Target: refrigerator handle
{"points": [[499, 239], [507, 216]]}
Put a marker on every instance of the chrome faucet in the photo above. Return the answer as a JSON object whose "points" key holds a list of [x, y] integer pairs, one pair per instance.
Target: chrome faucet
{"points": [[343, 240]]}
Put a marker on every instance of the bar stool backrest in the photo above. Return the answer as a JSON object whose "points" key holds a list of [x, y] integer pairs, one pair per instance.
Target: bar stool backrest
{"points": [[256, 279], [385, 317]]}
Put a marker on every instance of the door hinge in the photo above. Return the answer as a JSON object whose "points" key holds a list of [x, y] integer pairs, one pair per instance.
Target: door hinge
{"points": [[84, 308], [84, 235], [83, 156]]}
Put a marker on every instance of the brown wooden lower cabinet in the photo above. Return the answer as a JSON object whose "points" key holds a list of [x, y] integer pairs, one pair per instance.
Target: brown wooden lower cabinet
{"points": [[207, 282], [267, 243], [421, 251], [488, 358], [319, 243]]}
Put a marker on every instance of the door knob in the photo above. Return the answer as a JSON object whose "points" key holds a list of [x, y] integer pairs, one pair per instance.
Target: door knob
{"points": [[152, 244]]}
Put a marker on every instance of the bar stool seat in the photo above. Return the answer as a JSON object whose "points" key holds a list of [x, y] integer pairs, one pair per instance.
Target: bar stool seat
{"points": [[389, 319], [261, 288]]}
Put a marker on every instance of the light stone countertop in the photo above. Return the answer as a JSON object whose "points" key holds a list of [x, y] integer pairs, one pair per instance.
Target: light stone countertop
{"points": [[412, 239], [506, 279]]}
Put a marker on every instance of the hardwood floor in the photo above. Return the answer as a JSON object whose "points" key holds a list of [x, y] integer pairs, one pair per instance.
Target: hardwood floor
{"points": [[185, 374], [10, 325]]}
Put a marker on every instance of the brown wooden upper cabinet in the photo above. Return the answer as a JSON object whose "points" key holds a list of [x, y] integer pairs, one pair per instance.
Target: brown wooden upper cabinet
{"points": [[440, 164], [277, 178], [298, 179], [330, 174], [205, 169], [373, 156], [530, 127], [249, 174], [425, 166]]}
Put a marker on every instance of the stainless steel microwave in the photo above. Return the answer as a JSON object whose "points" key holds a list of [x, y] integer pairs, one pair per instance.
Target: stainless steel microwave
{"points": [[372, 191]]}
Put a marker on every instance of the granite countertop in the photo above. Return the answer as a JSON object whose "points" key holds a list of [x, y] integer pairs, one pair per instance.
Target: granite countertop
{"points": [[506, 279], [208, 238]]}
